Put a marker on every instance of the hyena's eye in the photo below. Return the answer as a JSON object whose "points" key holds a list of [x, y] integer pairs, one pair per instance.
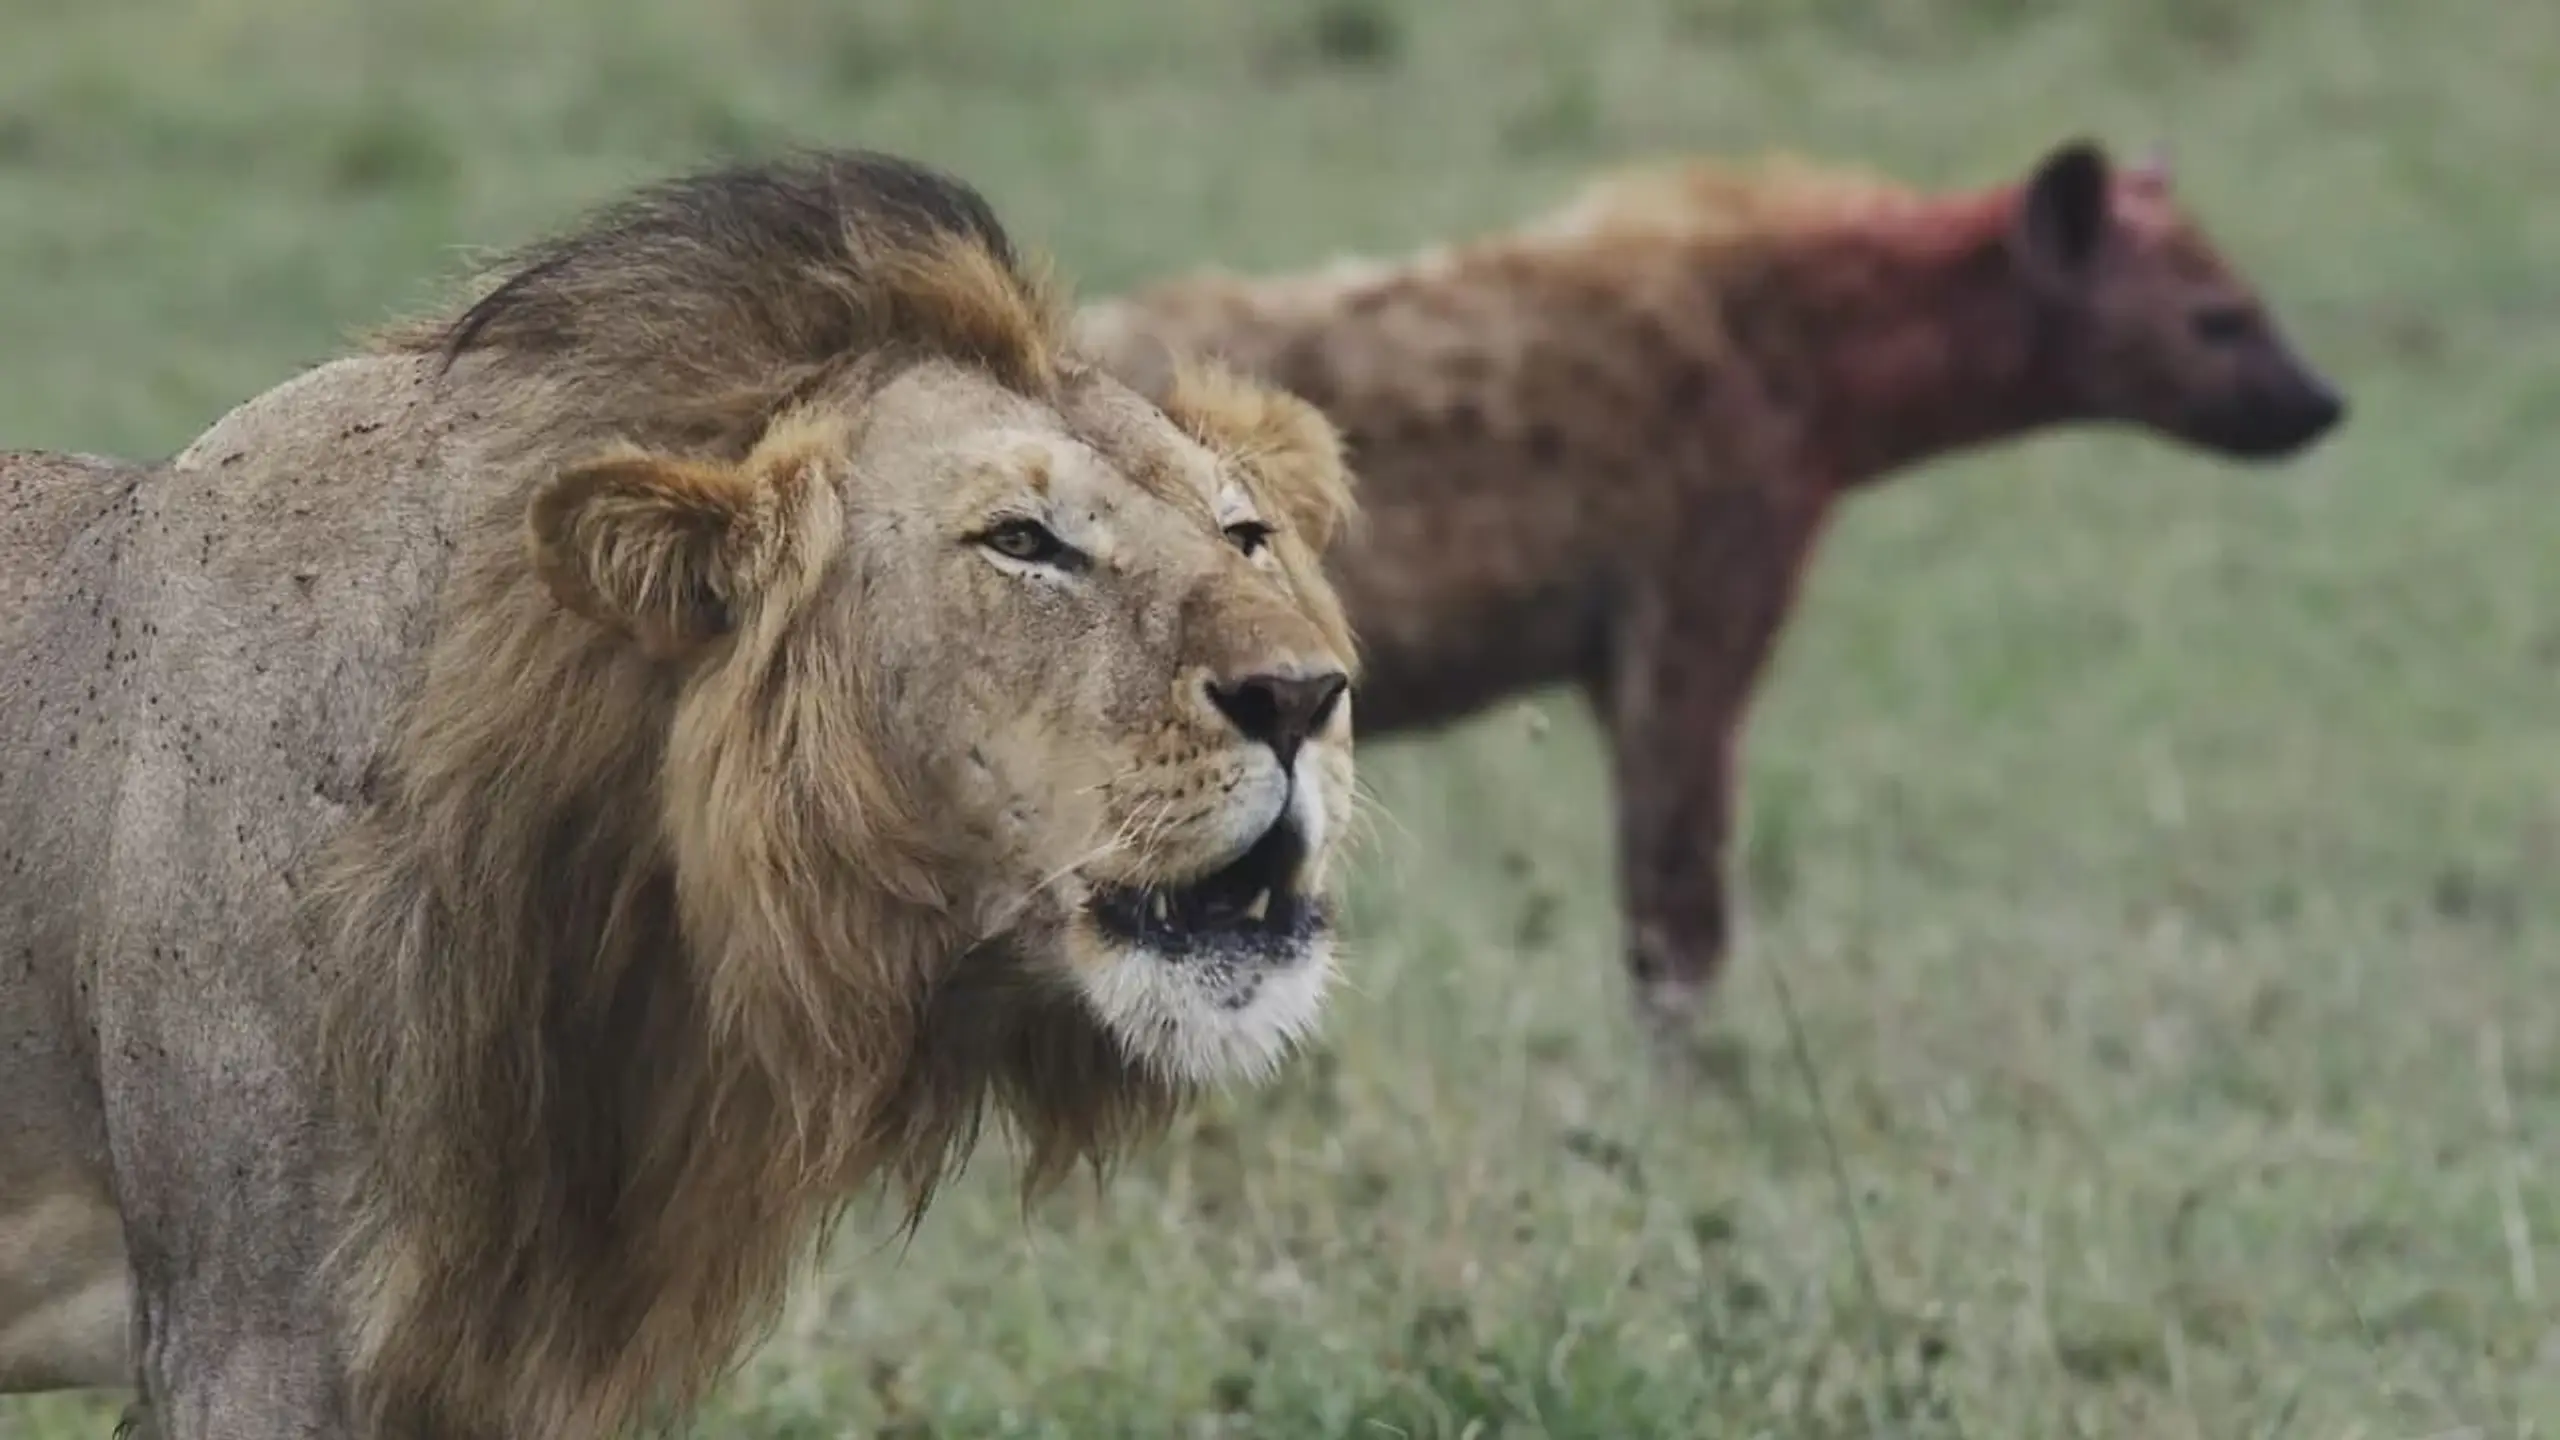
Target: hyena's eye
{"points": [[2222, 324]]}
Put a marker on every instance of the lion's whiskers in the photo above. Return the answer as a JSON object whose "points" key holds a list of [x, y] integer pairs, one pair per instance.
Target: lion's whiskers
{"points": [[1156, 824], [1366, 811], [1117, 842]]}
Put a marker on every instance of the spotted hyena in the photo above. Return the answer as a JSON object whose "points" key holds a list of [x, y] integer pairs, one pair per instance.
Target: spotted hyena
{"points": [[1601, 448]]}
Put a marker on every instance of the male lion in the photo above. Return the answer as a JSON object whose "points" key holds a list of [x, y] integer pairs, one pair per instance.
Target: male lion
{"points": [[1603, 448], [509, 832]]}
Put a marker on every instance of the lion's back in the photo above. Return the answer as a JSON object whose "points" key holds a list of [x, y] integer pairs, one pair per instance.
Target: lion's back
{"points": [[67, 526], [65, 522], [63, 519]]}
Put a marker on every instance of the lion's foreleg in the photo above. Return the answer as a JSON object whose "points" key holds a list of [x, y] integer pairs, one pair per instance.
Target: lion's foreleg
{"points": [[222, 1177], [235, 1362]]}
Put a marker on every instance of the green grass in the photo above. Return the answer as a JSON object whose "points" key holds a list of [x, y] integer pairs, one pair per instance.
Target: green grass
{"points": [[2162, 857]]}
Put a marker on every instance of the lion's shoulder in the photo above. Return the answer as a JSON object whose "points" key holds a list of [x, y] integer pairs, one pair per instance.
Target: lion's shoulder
{"points": [[321, 413]]}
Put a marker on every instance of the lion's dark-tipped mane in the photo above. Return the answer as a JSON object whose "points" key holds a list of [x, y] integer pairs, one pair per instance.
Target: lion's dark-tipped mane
{"points": [[732, 233], [696, 309]]}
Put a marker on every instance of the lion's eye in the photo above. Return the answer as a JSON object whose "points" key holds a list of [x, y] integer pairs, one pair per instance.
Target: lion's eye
{"points": [[1249, 536], [1026, 540]]}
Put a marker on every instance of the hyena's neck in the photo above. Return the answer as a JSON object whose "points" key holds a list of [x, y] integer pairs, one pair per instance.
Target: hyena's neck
{"points": [[1899, 338]]}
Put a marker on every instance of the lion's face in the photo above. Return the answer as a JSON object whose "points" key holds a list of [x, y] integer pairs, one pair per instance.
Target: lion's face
{"points": [[1086, 660], [1115, 658]]}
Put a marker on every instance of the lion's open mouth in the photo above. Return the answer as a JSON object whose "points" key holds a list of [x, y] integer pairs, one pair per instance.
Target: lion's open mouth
{"points": [[1252, 903]]}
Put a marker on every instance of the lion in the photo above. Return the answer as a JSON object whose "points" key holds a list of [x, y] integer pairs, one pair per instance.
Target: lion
{"points": [[1602, 449], [511, 831]]}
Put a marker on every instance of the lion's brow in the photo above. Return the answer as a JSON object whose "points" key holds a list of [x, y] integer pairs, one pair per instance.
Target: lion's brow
{"points": [[1167, 479]]}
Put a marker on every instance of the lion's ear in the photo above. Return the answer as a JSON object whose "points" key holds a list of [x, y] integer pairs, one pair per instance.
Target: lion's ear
{"points": [[1300, 455], [1291, 447], [666, 550]]}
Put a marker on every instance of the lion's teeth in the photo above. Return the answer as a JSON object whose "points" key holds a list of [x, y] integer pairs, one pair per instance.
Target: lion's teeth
{"points": [[1160, 907], [1260, 909]]}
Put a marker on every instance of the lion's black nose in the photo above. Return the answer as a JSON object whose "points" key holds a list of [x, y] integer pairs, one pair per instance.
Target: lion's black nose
{"points": [[1280, 711]]}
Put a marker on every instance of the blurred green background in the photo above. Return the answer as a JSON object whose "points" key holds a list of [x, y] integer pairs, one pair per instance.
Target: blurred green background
{"points": [[2161, 855]]}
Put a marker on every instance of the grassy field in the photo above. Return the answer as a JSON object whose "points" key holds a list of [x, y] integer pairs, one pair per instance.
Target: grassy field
{"points": [[2161, 857]]}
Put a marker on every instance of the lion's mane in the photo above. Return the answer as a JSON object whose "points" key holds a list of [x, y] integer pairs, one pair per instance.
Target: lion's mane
{"points": [[638, 978]]}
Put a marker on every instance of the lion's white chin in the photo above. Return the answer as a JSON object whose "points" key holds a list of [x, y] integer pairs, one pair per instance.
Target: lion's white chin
{"points": [[1207, 1021]]}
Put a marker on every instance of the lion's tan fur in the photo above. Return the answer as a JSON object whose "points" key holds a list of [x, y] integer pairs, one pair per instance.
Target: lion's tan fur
{"points": [[626, 1038]]}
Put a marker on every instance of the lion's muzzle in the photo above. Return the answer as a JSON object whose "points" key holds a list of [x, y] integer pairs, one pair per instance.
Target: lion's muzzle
{"points": [[1253, 907]]}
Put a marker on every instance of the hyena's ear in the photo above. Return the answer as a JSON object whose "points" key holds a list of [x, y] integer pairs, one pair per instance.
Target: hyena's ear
{"points": [[2152, 173], [2063, 213], [676, 553]]}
